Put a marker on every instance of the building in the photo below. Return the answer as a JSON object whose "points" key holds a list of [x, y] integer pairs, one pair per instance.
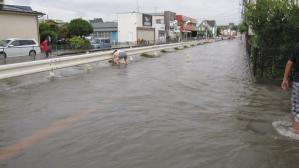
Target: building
{"points": [[18, 22], [209, 27], [166, 26], [171, 26], [103, 29], [136, 27], [159, 25], [187, 27]]}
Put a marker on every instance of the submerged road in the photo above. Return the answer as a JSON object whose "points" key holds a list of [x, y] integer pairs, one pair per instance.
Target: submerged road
{"points": [[192, 108]]}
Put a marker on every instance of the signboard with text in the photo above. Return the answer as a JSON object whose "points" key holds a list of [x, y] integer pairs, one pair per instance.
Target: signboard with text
{"points": [[147, 20]]}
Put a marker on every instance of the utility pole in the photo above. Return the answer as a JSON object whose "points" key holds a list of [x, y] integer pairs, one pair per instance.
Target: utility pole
{"points": [[138, 7]]}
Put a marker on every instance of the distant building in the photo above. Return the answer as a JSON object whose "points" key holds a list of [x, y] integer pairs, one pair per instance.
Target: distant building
{"points": [[96, 20], [208, 26], [171, 26], [166, 26], [187, 27], [136, 27], [159, 25], [103, 29], [18, 22]]}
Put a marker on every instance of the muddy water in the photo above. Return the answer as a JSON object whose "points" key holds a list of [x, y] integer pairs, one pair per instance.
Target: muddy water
{"points": [[192, 108]]}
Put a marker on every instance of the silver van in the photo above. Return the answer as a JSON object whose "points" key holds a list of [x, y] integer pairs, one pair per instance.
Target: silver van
{"points": [[18, 47]]}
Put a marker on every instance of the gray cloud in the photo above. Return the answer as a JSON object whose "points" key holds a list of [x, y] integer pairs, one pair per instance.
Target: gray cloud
{"points": [[223, 11]]}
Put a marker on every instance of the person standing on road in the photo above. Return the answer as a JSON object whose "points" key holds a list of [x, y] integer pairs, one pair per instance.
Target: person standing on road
{"points": [[119, 54], [45, 47], [293, 60]]}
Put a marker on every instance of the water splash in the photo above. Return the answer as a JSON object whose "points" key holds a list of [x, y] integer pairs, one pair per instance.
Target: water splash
{"points": [[284, 128]]}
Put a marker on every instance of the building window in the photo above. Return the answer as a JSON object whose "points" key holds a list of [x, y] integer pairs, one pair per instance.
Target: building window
{"points": [[160, 21]]}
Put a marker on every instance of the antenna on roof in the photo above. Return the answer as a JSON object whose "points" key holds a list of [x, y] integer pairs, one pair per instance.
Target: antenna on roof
{"points": [[138, 7]]}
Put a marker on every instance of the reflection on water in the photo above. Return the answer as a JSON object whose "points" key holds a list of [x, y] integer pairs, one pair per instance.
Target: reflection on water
{"points": [[191, 108]]}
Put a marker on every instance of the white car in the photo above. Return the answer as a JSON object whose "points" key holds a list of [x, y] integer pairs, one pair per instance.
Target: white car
{"points": [[18, 47]]}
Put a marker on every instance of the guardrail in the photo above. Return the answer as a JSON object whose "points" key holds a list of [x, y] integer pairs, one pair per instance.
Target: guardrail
{"points": [[26, 68]]}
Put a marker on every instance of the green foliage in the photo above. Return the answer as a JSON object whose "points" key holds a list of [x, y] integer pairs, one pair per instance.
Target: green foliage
{"points": [[64, 32], [48, 29], [242, 27], [218, 32], [48, 26], [45, 34], [201, 33], [274, 22], [275, 27], [79, 43], [80, 27], [235, 27]]}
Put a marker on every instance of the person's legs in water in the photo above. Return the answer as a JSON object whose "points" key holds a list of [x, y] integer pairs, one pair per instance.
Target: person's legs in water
{"points": [[126, 60], [295, 106]]}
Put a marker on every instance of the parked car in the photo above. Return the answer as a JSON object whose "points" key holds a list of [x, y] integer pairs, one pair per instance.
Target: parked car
{"points": [[101, 43], [19, 47]]}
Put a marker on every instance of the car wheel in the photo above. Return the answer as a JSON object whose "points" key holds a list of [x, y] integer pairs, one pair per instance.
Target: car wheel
{"points": [[32, 53], [2, 54]]}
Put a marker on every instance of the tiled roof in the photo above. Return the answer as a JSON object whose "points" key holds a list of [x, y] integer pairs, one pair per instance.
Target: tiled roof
{"points": [[104, 25], [19, 9], [212, 23]]}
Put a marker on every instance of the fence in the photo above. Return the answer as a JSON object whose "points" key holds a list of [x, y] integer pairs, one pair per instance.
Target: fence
{"points": [[67, 49], [269, 62]]}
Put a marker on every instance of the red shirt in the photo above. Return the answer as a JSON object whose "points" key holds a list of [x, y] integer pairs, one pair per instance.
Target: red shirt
{"points": [[44, 46]]}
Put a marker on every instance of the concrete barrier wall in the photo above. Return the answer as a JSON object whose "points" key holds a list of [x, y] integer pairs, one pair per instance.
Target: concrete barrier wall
{"points": [[19, 69]]}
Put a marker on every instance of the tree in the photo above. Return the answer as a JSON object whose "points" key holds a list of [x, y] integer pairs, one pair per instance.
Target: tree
{"points": [[64, 32], [48, 28], [274, 22], [275, 27], [218, 31], [242, 27], [80, 27]]}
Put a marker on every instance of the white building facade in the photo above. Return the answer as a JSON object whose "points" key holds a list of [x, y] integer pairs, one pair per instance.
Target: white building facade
{"points": [[18, 22], [159, 25], [136, 28]]}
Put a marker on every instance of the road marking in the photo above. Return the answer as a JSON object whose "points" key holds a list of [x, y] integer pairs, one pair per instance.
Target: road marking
{"points": [[11, 150]]}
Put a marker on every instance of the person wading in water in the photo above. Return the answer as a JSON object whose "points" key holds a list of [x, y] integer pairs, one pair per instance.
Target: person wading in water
{"points": [[293, 60], [118, 55]]}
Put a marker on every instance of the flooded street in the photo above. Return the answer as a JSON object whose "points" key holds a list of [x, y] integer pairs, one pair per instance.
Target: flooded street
{"points": [[191, 108]]}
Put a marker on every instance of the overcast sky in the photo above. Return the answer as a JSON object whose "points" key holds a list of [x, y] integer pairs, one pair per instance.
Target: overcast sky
{"points": [[223, 11]]}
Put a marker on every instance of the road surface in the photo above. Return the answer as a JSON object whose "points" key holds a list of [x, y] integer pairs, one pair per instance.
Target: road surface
{"points": [[192, 108]]}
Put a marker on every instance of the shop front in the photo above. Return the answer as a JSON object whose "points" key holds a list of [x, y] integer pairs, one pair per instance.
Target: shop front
{"points": [[187, 27]]}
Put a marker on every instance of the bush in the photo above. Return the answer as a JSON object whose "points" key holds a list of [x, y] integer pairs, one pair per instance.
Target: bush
{"points": [[45, 34], [79, 43], [274, 23], [80, 27], [275, 26]]}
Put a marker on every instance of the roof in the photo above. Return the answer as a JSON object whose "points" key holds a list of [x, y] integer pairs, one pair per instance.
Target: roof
{"points": [[19, 9], [104, 25], [156, 14], [212, 23], [185, 19], [97, 20]]}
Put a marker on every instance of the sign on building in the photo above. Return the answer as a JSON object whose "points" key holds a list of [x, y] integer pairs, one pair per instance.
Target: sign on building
{"points": [[147, 20]]}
